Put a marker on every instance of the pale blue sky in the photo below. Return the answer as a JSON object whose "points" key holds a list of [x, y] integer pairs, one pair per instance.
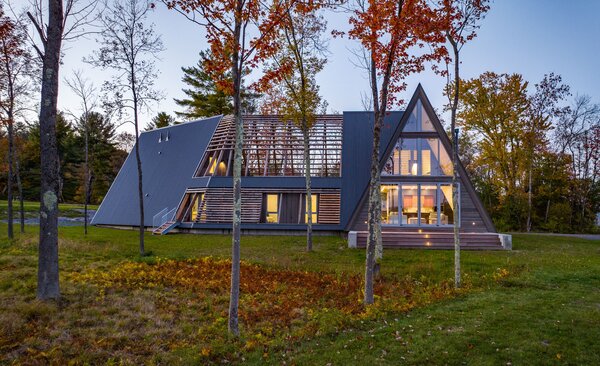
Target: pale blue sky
{"points": [[530, 37]]}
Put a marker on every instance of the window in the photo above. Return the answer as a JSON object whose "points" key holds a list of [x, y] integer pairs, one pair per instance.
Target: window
{"points": [[314, 199], [272, 208], [419, 157], [194, 213], [389, 204], [419, 121], [446, 205], [417, 204]]}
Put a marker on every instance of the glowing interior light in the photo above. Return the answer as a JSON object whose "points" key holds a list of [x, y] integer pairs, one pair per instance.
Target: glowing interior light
{"points": [[414, 169]]}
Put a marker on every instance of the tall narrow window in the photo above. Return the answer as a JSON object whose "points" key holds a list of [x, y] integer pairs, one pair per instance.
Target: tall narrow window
{"points": [[272, 209], [389, 204], [314, 198], [429, 207], [446, 205], [410, 204], [194, 214]]}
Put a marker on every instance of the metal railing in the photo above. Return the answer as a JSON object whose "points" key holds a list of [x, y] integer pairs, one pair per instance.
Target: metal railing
{"points": [[162, 217], [157, 219]]}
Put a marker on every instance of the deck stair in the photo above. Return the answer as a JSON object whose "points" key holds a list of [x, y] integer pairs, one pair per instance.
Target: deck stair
{"points": [[434, 240], [165, 228]]}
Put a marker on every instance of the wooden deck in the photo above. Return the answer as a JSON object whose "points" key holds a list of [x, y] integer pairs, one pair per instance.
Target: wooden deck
{"points": [[433, 240]]}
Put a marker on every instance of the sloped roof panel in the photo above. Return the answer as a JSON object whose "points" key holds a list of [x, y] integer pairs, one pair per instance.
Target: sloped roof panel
{"points": [[169, 157]]}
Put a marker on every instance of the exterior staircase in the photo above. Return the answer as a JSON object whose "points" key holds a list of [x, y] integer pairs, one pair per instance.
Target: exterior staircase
{"points": [[434, 240], [165, 228]]}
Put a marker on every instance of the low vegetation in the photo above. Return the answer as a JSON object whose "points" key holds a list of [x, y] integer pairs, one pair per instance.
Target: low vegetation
{"points": [[537, 304]]}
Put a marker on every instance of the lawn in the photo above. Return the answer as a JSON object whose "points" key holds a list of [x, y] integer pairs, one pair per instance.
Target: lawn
{"points": [[32, 209], [538, 304]]}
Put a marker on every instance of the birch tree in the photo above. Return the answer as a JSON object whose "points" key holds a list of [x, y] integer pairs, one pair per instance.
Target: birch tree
{"points": [[241, 35], [128, 47], [301, 55], [463, 18], [390, 31], [86, 92]]}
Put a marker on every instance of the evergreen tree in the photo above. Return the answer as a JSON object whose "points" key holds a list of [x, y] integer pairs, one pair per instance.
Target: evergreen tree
{"points": [[162, 119], [204, 99]]}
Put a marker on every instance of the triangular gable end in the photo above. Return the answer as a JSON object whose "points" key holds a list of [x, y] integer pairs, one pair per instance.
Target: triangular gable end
{"points": [[419, 95]]}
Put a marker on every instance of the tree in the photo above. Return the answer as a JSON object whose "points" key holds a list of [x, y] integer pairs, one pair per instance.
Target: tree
{"points": [[301, 55], [162, 119], [495, 109], [241, 35], [463, 18], [388, 30], [128, 46], [51, 37], [104, 159], [205, 99], [15, 71], [543, 110], [577, 134], [86, 92], [62, 23]]}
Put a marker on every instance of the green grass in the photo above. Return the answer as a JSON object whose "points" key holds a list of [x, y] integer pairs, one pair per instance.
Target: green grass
{"points": [[546, 311], [32, 209]]}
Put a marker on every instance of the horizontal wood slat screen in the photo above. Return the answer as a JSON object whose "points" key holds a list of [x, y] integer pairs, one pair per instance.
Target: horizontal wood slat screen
{"points": [[329, 208]]}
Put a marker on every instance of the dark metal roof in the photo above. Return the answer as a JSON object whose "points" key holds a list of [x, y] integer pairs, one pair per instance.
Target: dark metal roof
{"points": [[169, 157]]}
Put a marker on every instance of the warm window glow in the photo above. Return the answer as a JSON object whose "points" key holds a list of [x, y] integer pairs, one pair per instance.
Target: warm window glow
{"points": [[272, 214], [314, 199], [389, 204], [419, 156], [212, 165], [195, 208], [416, 204], [274, 148]]}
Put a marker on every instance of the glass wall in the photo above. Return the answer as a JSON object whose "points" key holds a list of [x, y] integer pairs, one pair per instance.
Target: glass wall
{"points": [[419, 157], [419, 204], [419, 120]]}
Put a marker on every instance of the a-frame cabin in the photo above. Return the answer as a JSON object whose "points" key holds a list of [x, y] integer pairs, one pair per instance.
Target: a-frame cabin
{"points": [[416, 189], [188, 183]]}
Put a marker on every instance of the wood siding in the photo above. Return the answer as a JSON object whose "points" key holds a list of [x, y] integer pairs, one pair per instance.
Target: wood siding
{"points": [[217, 205]]}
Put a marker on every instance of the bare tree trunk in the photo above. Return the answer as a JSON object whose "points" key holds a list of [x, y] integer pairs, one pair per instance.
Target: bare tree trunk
{"points": [[455, 195], [48, 281], [9, 192], [236, 74], [372, 210], [87, 177], [21, 203], [309, 209], [138, 160], [140, 187], [529, 196]]}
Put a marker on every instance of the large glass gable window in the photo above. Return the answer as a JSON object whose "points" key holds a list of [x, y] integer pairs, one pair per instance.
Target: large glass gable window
{"points": [[419, 157], [417, 153], [427, 204], [419, 121]]}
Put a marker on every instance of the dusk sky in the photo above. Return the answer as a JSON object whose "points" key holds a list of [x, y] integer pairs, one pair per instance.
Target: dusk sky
{"points": [[531, 37]]}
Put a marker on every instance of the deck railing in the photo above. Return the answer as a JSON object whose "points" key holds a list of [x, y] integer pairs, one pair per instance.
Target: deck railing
{"points": [[157, 219]]}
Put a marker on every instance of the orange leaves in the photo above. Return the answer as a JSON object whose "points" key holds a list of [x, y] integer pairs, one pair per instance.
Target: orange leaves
{"points": [[394, 34], [279, 298]]}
